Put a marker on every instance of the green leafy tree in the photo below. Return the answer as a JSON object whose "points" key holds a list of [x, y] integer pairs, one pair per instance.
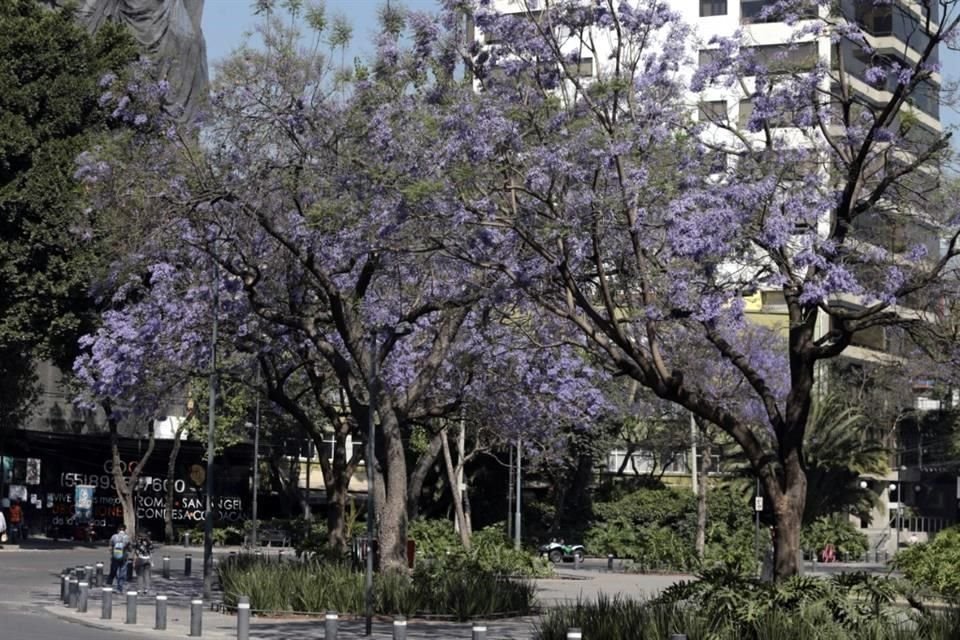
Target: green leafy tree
{"points": [[49, 113]]}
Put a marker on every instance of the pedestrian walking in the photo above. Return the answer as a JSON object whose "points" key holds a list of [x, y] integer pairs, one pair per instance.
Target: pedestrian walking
{"points": [[142, 563], [119, 555], [3, 529], [16, 522]]}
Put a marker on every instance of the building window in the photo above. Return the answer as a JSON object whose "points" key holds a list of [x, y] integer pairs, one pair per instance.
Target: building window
{"points": [[876, 20], [706, 56], [713, 8], [713, 111], [750, 12], [778, 121], [786, 58], [582, 68]]}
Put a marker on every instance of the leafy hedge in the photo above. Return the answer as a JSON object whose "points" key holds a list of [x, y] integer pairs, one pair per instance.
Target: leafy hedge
{"points": [[655, 527], [846, 538], [455, 588]]}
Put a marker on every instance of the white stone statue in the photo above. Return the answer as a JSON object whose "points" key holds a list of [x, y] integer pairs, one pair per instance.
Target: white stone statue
{"points": [[168, 32]]}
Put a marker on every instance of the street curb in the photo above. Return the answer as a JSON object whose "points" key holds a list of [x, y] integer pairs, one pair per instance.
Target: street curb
{"points": [[91, 620]]}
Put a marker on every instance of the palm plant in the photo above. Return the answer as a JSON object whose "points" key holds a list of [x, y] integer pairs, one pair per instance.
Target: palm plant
{"points": [[839, 449]]}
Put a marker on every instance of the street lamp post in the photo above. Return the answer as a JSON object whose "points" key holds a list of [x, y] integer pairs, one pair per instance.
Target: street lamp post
{"points": [[895, 486], [371, 452], [517, 518], [211, 423], [256, 460]]}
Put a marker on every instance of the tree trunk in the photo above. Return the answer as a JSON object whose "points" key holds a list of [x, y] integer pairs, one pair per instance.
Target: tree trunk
{"points": [[126, 487], [337, 518], [701, 540], [788, 506], [455, 491], [393, 514], [338, 490], [168, 534], [279, 484], [419, 476], [461, 470]]}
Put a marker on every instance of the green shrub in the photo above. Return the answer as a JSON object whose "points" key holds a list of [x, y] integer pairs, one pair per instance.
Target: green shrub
{"points": [[455, 587], [726, 604], [655, 527], [933, 565], [490, 549], [221, 535], [847, 539]]}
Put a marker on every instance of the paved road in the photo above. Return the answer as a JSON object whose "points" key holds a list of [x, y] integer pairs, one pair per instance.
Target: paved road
{"points": [[28, 582], [30, 607], [17, 624]]}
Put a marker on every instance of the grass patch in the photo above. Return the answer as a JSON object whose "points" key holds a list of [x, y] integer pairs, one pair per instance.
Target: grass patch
{"points": [[456, 589]]}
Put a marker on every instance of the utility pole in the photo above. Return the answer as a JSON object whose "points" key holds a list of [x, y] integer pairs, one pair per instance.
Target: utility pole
{"points": [[510, 480], [371, 452], [307, 511], [757, 508]]}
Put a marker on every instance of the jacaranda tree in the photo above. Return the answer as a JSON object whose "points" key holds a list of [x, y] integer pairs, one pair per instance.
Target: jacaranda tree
{"points": [[611, 204], [303, 215]]}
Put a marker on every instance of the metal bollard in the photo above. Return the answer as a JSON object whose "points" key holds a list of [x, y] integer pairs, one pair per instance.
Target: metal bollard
{"points": [[233, 556], [131, 607], [166, 567], [243, 618], [400, 628], [98, 575], [82, 597], [88, 573], [479, 632], [106, 605], [64, 587], [258, 554], [574, 634], [161, 621], [196, 618], [74, 593], [609, 562], [280, 555], [187, 562], [330, 626]]}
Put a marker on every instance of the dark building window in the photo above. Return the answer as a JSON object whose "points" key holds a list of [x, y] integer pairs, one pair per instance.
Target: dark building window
{"points": [[713, 111], [713, 8], [891, 20], [750, 11], [786, 58], [582, 68], [706, 56]]}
